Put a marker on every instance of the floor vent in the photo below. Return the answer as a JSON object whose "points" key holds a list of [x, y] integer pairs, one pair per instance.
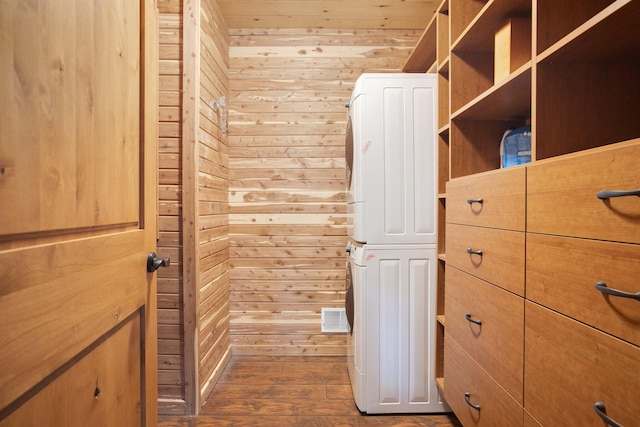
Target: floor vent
{"points": [[334, 320]]}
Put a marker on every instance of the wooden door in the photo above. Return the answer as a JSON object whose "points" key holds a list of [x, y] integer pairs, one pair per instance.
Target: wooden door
{"points": [[78, 136]]}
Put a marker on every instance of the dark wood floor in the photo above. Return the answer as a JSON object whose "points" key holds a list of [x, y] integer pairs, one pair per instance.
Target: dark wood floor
{"points": [[291, 391]]}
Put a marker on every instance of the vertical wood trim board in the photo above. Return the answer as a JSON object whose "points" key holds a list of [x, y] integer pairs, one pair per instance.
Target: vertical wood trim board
{"points": [[190, 208], [287, 208]]}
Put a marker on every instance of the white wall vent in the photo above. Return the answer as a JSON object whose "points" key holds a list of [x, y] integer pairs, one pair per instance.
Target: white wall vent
{"points": [[334, 320]]}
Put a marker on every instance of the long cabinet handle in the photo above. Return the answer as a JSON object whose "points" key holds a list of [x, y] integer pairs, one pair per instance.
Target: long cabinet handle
{"points": [[472, 320], [470, 251], [472, 201], [602, 287], [602, 413], [607, 194], [467, 395]]}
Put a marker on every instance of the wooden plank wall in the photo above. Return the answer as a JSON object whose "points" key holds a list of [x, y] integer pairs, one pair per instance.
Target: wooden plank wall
{"points": [[213, 200], [170, 346], [287, 211], [193, 296]]}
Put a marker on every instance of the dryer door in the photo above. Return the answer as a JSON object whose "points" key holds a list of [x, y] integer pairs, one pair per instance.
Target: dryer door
{"points": [[348, 300], [355, 171], [348, 145]]}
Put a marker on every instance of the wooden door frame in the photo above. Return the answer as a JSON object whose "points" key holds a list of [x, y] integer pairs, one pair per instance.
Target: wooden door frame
{"points": [[149, 191], [149, 85]]}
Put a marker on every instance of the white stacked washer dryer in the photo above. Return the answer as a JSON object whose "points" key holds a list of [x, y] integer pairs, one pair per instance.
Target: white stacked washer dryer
{"points": [[391, 156]]}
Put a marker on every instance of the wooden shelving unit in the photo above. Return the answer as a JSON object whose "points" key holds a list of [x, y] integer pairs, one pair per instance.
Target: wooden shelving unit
{"points": [[576, 80], [423, 57]]}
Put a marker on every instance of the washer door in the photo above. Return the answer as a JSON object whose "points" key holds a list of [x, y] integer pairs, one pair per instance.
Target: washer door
{"points": [[356, 351]]}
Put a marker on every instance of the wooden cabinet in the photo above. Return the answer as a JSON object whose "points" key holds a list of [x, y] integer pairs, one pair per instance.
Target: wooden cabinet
{"points": [[562, 196], [577, 83], [494, 199], [490, 254], [582, 343], [484, 296], [569, 367], [562, 274], [482, 318], [473, 395], [579, 322]]}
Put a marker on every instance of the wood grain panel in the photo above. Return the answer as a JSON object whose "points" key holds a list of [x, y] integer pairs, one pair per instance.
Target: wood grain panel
{"points": [[283, 173], [73, 103], [321, 37], [562, 199], [391, 14], [254, 329], [293, 219], [375, 63], [346, 21], [266, 187], [464, 375], [577, 366], [113, 368], [562, 273], [287, 252], [286, 274], [288, 162], [497, 310], [169, 6], [502, 255], [282, 286], [502, 195]]}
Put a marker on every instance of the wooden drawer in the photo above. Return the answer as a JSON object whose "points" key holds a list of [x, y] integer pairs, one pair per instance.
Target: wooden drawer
{"points": [[561, 195], [503, 199], [463, 375], [562, 273], [497, 343], [570, 366], [502, 259]]}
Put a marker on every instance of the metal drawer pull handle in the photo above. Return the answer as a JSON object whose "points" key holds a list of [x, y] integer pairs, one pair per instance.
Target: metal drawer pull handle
{"points": [[472, 252], [602, 287], [468, 317], [472, 201], [466, 399], [602, 413], [607, 194]]}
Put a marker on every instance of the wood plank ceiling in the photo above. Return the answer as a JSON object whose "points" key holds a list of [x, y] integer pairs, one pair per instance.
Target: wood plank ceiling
{"points": [[333, 14]]}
